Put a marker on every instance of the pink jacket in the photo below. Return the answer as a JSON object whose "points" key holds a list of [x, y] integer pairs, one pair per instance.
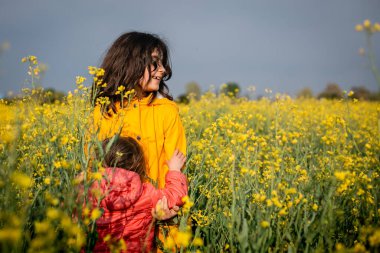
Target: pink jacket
{"points": [[128, 205]]}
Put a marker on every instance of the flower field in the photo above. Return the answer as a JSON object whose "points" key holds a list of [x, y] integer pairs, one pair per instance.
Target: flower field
{"points": [[270, 175]]}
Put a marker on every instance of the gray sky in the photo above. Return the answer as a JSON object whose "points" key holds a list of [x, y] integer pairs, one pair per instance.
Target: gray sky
{"points": [[282, 45]]}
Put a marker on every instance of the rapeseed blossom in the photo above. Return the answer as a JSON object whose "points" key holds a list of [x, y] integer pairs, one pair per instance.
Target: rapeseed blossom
{"points": [[22, 180], [264, 224], [95, 214], [257, 169]]}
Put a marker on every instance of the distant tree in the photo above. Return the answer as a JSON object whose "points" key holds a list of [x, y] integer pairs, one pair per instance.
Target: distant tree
{"points": [[183, 99], [43, 96], [361, 93], [260, 97], [231, 89], [51, 95], [332, 91], [193, 88], [305, 93], [375, 96]]}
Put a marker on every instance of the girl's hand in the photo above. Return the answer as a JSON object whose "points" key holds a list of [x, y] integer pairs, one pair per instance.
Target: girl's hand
{"points": [[162, 211], [177, 161]]}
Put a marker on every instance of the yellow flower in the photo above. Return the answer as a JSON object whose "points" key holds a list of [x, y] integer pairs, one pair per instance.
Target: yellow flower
{"points": [[10, 234], [374, 240], [86, 221], [359, 248], [359, 28], [103, 100], [8, 135], [120, 90], [107, 238], [54, 202], [52, 213], [80, 80], [21, 179], [96, 176], [99, 72], [340, 175], [315, 207], [47, 180], [57, 164], [339, 246], [78, 166], [291, 191], [183, 238], [283, 212], [376, 27], [264, 224], [65, 164], [367, 23], [169, 243], [36, 71], [64, 140], [130, 93], [66, 223], [188, 203], [91, 70], [86, 211], [95, 214], [69, 95], [198, 241], [41, 227], [33, 59]]}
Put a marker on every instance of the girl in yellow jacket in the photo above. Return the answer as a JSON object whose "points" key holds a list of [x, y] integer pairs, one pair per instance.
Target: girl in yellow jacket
{"points": [[139, 63]]}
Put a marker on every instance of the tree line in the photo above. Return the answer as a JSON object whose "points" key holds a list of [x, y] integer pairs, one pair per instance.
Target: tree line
{"points": [[331, 91], [232, 89]]}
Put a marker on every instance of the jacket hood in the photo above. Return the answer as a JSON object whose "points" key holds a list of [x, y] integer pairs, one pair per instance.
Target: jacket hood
{"points": [[124, 187], [158, 100]]}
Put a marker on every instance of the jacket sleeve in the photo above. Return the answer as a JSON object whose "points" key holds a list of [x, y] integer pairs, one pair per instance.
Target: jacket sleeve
{"points": [[175, 189], [174, 133]]}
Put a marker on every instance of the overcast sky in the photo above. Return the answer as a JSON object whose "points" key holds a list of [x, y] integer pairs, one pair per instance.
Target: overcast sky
{"points": [[283, 45]]}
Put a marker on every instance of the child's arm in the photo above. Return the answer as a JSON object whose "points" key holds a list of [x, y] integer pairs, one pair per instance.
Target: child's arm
{"points": [[175, 182]]}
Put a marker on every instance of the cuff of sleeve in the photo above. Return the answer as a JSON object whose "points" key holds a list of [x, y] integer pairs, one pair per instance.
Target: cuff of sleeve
{"points": [[175, 175]]}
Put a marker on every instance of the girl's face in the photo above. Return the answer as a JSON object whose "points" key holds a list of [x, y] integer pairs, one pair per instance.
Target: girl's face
{"points": [[157, 72]]}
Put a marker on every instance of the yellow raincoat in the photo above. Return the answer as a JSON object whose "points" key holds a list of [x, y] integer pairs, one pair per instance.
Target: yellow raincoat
{"points": [[157, 126]]}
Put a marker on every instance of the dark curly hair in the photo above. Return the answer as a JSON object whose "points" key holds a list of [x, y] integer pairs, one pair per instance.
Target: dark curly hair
{"points": [[125, 63]]}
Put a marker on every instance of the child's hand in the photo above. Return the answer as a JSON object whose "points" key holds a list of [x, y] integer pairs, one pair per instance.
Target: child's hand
{"points": [[162, 211], [177, 161]]}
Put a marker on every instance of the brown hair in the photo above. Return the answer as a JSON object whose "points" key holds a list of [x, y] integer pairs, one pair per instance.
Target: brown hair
{"points": [[125, 153], [125, 63]]}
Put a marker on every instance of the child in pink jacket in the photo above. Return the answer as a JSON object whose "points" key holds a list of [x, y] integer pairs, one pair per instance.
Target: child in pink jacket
{"points": [[128, 199]]}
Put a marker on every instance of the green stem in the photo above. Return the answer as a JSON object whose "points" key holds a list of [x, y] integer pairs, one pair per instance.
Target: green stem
{"points": [[372, 60]]}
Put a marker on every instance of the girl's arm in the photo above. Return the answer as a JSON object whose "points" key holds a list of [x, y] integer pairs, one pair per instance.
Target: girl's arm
{"points": [[175, 182]]}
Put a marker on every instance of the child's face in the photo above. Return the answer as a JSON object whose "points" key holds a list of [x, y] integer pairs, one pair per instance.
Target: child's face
{"points": [[157, 72]]}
